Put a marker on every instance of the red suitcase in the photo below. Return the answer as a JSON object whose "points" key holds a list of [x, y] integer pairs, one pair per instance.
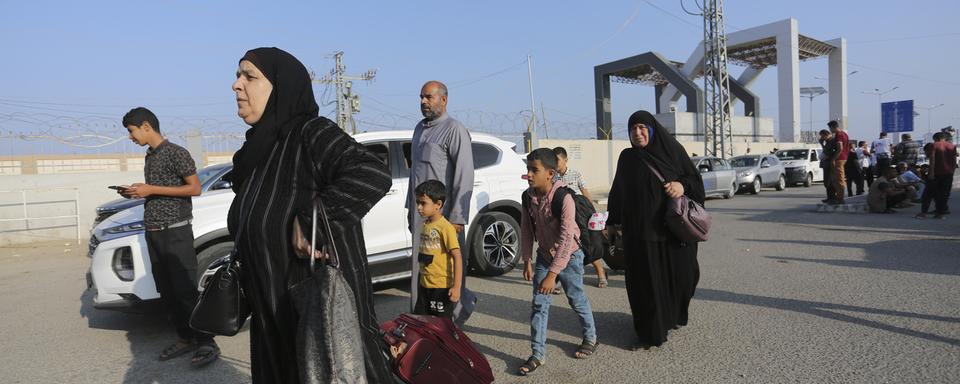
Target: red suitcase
{"points": [[436, 351]]}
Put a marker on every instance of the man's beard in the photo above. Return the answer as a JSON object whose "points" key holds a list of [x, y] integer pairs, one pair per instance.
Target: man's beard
{"points": [[430, 113]]}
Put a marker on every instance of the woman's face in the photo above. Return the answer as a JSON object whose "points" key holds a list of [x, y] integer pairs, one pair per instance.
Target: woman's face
{"points": [[253, 90], [639, 135]]}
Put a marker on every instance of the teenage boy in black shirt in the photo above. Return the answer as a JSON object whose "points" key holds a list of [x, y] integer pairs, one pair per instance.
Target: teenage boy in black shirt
{"points": [[170, 177]]}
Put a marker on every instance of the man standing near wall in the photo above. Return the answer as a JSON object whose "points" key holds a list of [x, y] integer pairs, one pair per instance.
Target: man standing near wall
{"points": [[170, 177], [840, 140], [442, 150]]}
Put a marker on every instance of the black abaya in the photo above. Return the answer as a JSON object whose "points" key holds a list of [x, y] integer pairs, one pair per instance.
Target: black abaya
{"points": [[662, 273], [351, 181], [290, 158]]}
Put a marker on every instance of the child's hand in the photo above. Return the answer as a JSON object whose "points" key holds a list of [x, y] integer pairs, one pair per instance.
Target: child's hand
{"points": [[546, 286], [454, 294], [527, 271]]}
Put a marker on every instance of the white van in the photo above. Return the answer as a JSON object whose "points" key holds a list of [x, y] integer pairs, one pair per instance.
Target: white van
{"points": [[802, 165]]}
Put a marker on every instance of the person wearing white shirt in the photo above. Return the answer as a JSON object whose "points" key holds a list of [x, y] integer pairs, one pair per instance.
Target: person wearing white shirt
{"points": [[866, 160], [883, 149]]}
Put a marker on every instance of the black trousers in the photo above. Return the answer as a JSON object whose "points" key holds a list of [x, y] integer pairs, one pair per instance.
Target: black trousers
{"points": [[883, 162], [854, 178], [867, 173], [941, 192], [174, 263], [827, 183]]}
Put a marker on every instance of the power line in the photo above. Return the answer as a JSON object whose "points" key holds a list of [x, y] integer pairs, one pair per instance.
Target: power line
{"points": [[463, 83], [905, 38], [113, 105], [945, 82]]}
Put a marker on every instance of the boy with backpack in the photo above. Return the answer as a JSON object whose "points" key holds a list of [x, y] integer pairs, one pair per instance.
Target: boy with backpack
{"points": [[574, 181], [559, 257], [441, 265]]}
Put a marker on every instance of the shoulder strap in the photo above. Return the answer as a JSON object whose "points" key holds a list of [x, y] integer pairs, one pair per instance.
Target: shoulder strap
{"points": [[655, 171], [556, 205]]}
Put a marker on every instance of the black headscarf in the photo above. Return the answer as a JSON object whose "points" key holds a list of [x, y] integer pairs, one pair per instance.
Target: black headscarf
{"points": [[291, 104], [662, 150]]}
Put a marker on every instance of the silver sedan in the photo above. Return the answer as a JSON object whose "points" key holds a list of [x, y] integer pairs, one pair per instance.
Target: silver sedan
{"points": [[719, 178], [757, 171]]}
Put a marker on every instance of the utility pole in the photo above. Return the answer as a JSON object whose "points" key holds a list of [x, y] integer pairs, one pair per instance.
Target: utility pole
{"points": [[348, 104], [717, 129], [530, 139]]}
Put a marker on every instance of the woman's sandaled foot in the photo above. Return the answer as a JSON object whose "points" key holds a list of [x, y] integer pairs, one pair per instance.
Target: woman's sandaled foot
{"points": [[529, 366], [602, 282], [206, 353], [177, 349], [586, 349]]}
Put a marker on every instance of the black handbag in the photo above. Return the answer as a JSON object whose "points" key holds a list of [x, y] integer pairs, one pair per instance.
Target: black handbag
{"points": [[222, 308], [329, 340]]}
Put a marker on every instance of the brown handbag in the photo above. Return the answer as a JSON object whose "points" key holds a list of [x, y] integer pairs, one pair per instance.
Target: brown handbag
{"points": [[687, 219]]}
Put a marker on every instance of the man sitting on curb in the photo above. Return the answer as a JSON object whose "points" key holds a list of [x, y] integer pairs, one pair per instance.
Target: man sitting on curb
{"points": [[884, 194]]}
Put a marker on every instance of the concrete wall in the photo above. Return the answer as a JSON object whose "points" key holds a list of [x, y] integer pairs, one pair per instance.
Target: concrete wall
{"points": [[116, 162], [44, 200]]}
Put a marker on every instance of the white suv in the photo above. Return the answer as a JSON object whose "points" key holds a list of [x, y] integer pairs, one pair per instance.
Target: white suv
{"points": [[120, 268]]}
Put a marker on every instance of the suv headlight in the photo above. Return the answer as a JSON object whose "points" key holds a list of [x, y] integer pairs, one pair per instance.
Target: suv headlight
{"points": [[132, 227], [744, 174]]}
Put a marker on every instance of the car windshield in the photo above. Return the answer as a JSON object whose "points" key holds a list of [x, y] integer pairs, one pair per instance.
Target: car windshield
{"points": [[796, 154], [206, 173], [741, 162]]}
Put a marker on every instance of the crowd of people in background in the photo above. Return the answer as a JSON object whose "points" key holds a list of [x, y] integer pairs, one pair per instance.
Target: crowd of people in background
{"points": [[892, 176]]}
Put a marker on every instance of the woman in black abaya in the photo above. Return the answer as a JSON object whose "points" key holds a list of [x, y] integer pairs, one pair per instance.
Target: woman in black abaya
{"points": [[291, 157], [662, 272]]}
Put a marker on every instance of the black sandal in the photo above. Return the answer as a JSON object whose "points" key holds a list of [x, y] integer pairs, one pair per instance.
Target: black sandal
{"points": [[586, 349], [177, 349], [206, 354], [529, 366]]}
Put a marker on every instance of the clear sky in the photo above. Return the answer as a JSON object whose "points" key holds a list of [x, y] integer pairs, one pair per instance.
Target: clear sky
{"points": [[75, 67]]}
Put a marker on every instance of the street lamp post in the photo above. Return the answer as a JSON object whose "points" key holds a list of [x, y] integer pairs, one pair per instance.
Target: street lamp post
{"points": [[929, 113], [879, 94], [812, 92]]}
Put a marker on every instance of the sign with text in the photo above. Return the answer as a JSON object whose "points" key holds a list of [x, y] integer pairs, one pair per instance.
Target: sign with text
{"points": [[897, 116]]}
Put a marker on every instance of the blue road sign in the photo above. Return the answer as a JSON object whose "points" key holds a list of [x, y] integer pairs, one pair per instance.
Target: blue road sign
{"points": [[897, 116]]}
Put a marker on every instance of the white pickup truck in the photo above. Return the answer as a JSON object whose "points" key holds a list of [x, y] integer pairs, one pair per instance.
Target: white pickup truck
{"points": [[120, 269]]}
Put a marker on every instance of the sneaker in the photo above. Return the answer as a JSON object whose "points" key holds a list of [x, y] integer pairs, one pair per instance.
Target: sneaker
{"points": [[939, 216], [921, 216]]}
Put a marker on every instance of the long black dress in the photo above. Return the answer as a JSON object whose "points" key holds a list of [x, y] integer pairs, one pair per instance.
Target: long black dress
{"points": [[350, 180], [662, 273]]}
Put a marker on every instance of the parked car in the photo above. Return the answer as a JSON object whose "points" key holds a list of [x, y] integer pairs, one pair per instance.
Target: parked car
{"points": [[757, 171], [802, 165], [719, 178], [120, 269]]}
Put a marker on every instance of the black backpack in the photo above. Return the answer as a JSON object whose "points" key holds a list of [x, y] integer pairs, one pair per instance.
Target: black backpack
{"points": [[593, 243]]}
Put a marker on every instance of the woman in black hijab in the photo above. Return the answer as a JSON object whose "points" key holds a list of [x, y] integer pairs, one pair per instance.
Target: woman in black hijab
{"points": [[662, 272], [291, 157]]}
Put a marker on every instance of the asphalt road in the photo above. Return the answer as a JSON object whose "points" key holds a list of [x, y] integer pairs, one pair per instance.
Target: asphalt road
{"points": [[786, 295]]}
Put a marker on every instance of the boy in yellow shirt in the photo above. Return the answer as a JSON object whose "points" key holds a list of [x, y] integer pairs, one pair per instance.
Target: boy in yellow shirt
{"points": [[441, 265]]}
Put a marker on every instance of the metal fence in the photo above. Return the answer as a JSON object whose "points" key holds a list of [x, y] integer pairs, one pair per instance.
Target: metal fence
{"points": [[29, 220]]}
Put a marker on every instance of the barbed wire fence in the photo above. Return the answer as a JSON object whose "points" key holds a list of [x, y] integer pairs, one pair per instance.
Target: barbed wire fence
{"points": [[41, 133]]}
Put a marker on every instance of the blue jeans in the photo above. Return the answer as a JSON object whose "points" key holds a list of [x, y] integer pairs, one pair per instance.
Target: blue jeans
{"points": [[572, 279]]}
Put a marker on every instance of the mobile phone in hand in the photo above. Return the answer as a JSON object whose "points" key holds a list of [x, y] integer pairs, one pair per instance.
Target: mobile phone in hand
{"points": [[120, 188]]}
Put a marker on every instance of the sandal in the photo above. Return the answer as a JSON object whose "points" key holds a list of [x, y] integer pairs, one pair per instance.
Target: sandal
{"points": [[586, 349], [529, 366], [206, 354], [177, 349], [602, 282]]}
